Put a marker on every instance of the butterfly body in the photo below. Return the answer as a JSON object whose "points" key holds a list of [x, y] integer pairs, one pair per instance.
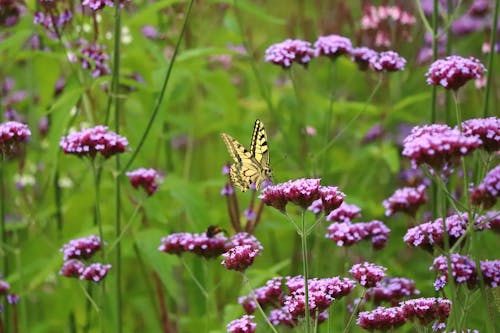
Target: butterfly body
{"points": [[250, 166]]}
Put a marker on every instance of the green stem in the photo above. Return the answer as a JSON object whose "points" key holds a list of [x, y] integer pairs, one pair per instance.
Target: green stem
{"points": [[353, 314], [159, 100], [247, 282], [489, 75], [305, 269], [97, 206], [4, 234]]}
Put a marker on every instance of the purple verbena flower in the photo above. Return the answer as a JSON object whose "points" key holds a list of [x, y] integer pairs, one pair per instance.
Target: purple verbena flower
{"points": [[4, 287], [72, 268], [91, 141], [453, 72], [149, 31], [488, 130], [199, 244], [406, 200], [81, 248], [488, 191], [95, 59], [491, 272], [347, 233], [243, 325], [332, 46], [240, 257], [302, 192], [426, 310], [384, 319], [463, 270], [227, 190], [12, 299], [388, 61], [345, 213], [243, 238], [391, 290], [148, 179], [438, 145], [367, 274], [95, 272], [288, 52], [362, 56], [282, 317], [12, 133], [331, 198], [266, 295], [316, 207]]}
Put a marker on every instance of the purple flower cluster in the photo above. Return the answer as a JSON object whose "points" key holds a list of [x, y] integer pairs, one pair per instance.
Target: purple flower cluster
{"points": [[463, 270], [347, 233], [488, 191], [391, 290], [332, 46], [430, 234], [425, 310], [76, 252], [345, 213], [438, 146], [269, 294], [302, 192], [148, 179], [299, 51], [378, 21], [240, 257], [406, 200], [12, 133], [81, 248], [453, 72], [488, 130], [243, 325], [288, 52], [53, 22], [100, 4], [91, 141], [199, 244], [367, 274], [95, 59]]}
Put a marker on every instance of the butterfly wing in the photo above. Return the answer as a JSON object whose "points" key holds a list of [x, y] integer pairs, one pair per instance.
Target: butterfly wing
{"points": [[259, 147], [236, 149]]}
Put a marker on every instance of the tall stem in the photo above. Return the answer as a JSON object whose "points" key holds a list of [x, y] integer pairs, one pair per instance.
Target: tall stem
{"points": [[247, 282], [491, 58], [4, 233], [353, 314], [97, 207], [305, 268]]}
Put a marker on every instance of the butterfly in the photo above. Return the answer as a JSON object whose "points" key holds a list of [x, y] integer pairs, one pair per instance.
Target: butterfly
{"points": [[249, 167]]}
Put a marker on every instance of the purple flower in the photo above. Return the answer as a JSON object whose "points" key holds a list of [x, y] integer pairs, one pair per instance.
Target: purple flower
{"points": [[227, 190], [243, 325], [95, 272], [149, 31], [12, 133], [367, 274], [437, 145], [454, 71], [373, 134], [53, 22], [11, 12], [345, 213], [488, 191], [282, 317], [95, 59], [72, 268], [331, 198], [391, 290], [269, 294], [347, 233], [288, 52], [148, 179], [463, 270], [426, 310], [388, 61], [12, 299], [381, 318], [316, 207], [100, 4], [4, 287], [430, 234], [490, 220], [302, 192], [488, 130], [491, 272], [81, 248], [362, 56], [243, 238], [91, 141], [406, 200], [332, 46], [240, 257], [201, 245]]}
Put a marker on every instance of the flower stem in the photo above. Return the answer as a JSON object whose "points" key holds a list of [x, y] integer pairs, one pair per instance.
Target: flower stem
{"points": [[247, 282], [3, 230], [354, 311], [97, 217], [489, 75], [305, 268]]}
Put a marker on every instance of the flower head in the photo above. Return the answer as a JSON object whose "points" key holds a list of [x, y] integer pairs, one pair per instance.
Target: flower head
{"points": [[427, 310], [463, 270], [199, 244], [388, 61], [488, 130], [488, 191], [437, 145], [331, 198], [148, 179], [240, 257], [391, 290], [406, 200], [302, 192], [95, 272], [4, 287], [72, 268], [81, 248], [367, 274], [345, 213], [12, 133], [91, 141], [332, 46], [381, 318], [454, 71], [288, 52], [243, 325], [347, 233], [268, 294], [362, 56], [491, 272], [95, 59], [100, 4], [282, 317]]}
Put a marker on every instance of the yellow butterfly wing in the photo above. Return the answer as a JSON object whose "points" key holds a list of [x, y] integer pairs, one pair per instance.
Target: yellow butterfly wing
{"points": [[259, 147]]}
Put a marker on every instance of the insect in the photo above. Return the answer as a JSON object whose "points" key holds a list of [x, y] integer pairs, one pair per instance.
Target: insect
{"points": [[249, 167], [214, 230]]}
